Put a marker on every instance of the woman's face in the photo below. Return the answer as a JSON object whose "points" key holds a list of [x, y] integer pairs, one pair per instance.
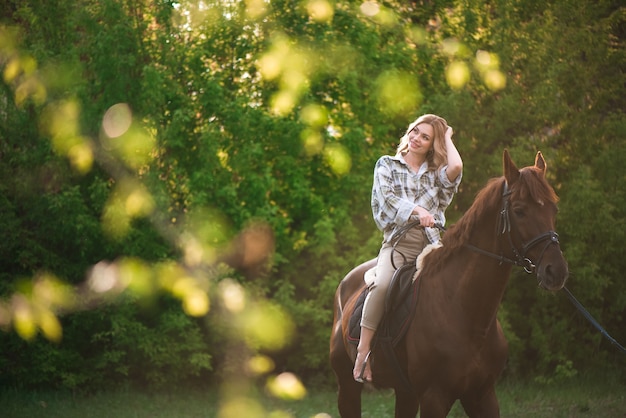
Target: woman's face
{"points": [[421, 139]]}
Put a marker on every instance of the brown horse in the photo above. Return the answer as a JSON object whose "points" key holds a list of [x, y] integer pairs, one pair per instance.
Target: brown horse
{"points": [[454, 347]]}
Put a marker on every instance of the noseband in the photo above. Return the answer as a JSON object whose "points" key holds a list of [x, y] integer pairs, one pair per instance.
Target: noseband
{"points": [[504, 227]]}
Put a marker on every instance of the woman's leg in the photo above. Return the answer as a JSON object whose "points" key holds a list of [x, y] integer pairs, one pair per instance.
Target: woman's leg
{"points": [[362, 371], [373, 308], [407, 250]]}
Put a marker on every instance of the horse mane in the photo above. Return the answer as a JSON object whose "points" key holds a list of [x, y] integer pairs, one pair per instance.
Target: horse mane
{"points": [[531, 184]]}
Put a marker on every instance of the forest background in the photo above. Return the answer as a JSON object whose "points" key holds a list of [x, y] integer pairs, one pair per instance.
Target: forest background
{"points": [[183, 184]]}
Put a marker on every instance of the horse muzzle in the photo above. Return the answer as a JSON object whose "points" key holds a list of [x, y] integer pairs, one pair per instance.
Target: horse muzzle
{"points": [[552, 274]]}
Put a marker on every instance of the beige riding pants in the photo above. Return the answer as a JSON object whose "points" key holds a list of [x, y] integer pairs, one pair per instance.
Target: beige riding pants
{"points": [[410, 245]]}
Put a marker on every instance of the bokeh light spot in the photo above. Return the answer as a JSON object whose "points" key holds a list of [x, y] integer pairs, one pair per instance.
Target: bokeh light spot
{"points": [[286, 386], [137, 276], [255, 8], [240, 407], [117, 120], [369, 8], [257, 242], [266, 326], [193, 251], [60, 120], [312, 141], [314, 115], [397, 93], [338, 159], [495, 80], [283, 102], [31, 88], [206, 230], [451, 46], [320, 10], [12, 70], [260, 364], [483, 58], [417, 35], [23, 319], [233, 295], [50, 291], [104, 277], [183, 286], [50, 326], [271, 64], [196, 303], [115, 220], [135, 146], [457, 74], [138, 202], [81, 157]]}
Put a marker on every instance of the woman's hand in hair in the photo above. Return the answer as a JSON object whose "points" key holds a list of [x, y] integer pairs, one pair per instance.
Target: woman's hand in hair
{"points": [[449, 132]]}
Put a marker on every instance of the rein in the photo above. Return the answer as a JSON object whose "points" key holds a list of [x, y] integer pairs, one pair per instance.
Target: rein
{"points": [[591, 319]]}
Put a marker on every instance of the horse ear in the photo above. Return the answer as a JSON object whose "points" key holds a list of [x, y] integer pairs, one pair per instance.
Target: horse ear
{"points": [[511, 172], [540, 163]]}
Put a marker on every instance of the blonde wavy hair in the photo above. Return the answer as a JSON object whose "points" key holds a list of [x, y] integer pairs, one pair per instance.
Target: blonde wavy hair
{"points": [[437, 157]]}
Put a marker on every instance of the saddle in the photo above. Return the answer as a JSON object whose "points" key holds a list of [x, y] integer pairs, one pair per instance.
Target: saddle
{"points": [[400, 303]]}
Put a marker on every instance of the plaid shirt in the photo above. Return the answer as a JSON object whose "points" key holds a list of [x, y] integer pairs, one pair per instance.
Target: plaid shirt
{"points": [[397, 190]]}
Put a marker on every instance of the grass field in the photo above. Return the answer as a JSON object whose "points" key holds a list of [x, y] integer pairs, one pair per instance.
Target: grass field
{"points": [[573, 399]]}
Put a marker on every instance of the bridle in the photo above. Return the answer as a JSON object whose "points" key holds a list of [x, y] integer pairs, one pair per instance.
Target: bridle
{"points": [[550, 237], [504, 227]]}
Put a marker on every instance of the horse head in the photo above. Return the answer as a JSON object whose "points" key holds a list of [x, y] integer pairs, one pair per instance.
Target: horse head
{"points": [[529, 214]]}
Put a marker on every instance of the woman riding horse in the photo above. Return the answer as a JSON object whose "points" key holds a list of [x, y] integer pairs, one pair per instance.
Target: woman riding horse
{"points": [[419, 182]]}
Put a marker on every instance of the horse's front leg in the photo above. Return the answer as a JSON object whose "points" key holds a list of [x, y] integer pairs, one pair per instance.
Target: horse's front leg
{"points": [[349, 398], [407, 404], [484, 405], [435, 403]]}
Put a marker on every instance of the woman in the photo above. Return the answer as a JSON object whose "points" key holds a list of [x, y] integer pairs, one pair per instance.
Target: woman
{"points": [[418, 183]]}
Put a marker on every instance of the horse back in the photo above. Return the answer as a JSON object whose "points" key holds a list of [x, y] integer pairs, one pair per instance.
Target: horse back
{"points": [[353, 282]]}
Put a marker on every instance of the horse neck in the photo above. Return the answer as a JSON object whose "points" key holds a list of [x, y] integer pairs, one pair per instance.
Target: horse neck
{"points": [[483, 281]]}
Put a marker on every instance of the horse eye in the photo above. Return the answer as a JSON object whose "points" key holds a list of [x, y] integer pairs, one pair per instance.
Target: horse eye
{"points": [[519, 212]]}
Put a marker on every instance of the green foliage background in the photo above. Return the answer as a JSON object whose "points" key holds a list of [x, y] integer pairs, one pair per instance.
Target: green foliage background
{"points": [[275, 113]]}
